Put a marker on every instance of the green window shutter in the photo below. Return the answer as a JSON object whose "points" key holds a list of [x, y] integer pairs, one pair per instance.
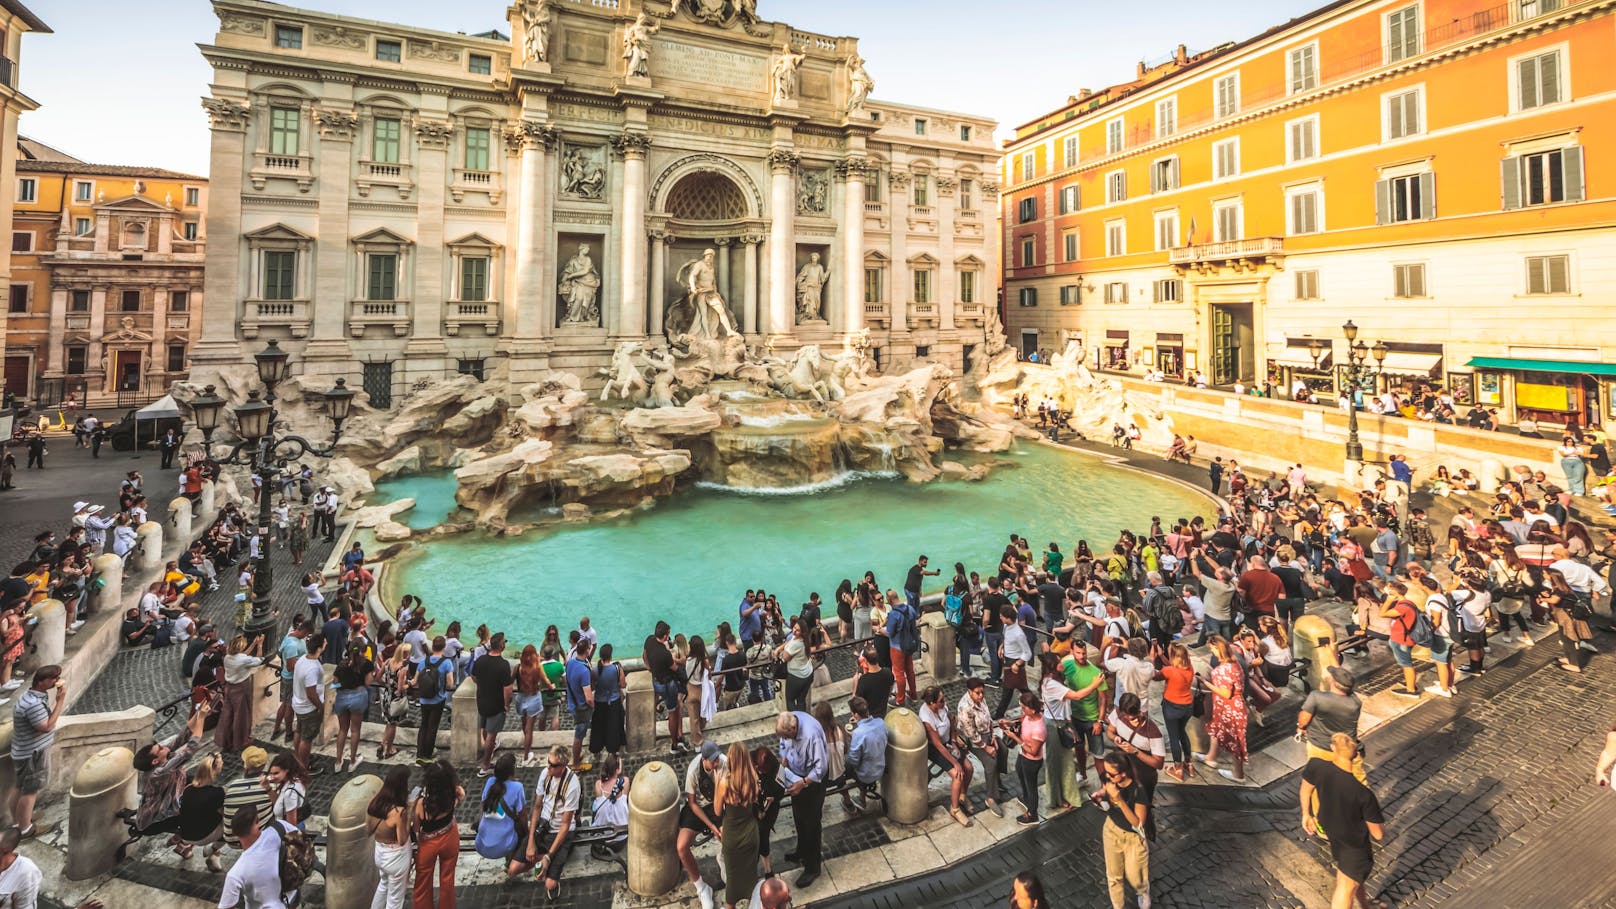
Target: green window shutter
{"points": [[1571, 169], [1383, 201], [1427, 196], [1510, 179]]}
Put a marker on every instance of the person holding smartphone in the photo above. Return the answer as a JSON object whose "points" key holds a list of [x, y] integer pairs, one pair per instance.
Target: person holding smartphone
{"points": [[34, 721]]}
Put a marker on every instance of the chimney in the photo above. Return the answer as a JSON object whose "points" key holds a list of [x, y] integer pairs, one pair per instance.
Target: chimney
{"points": [[1083, 94], [1141, 71], [1181, 56]]}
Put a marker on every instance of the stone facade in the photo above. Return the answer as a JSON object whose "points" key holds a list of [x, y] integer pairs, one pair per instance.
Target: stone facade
{"points": [[15, 20], [397, 204]]}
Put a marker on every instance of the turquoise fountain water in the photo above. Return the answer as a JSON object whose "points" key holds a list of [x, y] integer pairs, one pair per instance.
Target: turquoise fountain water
{"points": [[689, 559]]}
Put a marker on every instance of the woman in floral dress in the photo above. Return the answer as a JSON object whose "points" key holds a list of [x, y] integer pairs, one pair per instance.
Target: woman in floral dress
{"points": [[1227, 726]]}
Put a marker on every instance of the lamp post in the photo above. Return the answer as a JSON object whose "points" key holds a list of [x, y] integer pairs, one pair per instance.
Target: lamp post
{"points": [[260, 449], [1355, 369]]}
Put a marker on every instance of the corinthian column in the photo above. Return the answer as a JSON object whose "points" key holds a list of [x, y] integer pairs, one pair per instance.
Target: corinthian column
{"points": [[749, 287], [782, 248], [659, 280], [525, 308], [852, 315], [632, 146], [221, 292]]}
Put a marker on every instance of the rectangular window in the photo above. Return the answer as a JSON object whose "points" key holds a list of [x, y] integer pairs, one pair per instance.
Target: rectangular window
{"points": [[193, 196], [1303, 136], [289, 37], [474, 279], [1166, 117], [920, 127], [1402, 34], [1116, 186], [389, 51], [389, 131], [1029, 250], [1069, 151], [1304, 212], [83, 191], [1402, 115], [1537, 81], [280, 268], [1164, 175], [22, 241], [129, 301], [1027, 209], [1226, 159], [967, 287], [1227, 95], [188, 230], [1029, 165], [1307, 284], [19, 298], [82, 227], [1227, 221], [176, 358], [872, 188], [283, 130], [79, 301], [77, 357], [1304, 68], [1548, 274], [382, 276], [478, 141], [479, 64], [1166, 230], [1028, 296], [1113, 136], [1116, 238], [1169, 290], [872, 285], [967, 195], [473, 368], [1069, 199], [922, 285], [1070, 295], [1406, 198], [1408, 281], [1116, 292], [1532, 8], [27, 189], [1069, 241], [922, 190], [179, 301], [1543, 178]]}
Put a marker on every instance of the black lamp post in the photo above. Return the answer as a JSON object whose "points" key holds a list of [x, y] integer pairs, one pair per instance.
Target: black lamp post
{"points": [[261, 449], [1355, 369]]}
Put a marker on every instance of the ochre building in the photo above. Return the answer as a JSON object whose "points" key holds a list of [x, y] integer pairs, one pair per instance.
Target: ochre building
{"points": [[1430, 170], [15, 20]]}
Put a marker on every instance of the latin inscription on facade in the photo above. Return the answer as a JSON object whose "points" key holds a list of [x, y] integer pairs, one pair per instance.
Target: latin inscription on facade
{"points": [[708, 66]]}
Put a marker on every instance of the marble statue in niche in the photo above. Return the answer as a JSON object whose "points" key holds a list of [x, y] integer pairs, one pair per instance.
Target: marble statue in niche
{"points": [[536, 19], [811, 290], [637, 46], [580, 289], [707, 311], [784, 72]]}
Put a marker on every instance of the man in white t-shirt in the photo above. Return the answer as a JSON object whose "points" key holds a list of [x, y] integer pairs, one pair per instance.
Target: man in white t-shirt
{"points": [[1436, 609], [254, 881], [19, 876], [308, 699], [549, 830]]}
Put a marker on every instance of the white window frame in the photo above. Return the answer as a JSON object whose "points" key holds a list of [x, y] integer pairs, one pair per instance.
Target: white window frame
{"points": [[1157, 288], [1218, 208], [1304, 276], [1071, 295], [87, 223], [1069, 199], [32, 185], [1217, 158], [190, 230], [376, 51], [1160, 221], [1027, 210], [188, 193], [1316, 190], [965, 132], [1419, 32], [1069, 151], [487, 59], [1548, 288], [1172, 176], [1116, 292], [1311, 121], [1311, 78], [1116, 186], [1027, 296], [1530, 9], [22, 233], [1166, 117], [1071, 245], [921, 125], [89, 195], [1563, 62], [1218, 112], [1116, 237], [1116, 136], [1419, 108], [1029, 165], [1398, 270]]}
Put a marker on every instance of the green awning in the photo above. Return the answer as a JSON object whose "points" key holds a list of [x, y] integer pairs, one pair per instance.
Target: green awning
{"points": [[1571, 366]]}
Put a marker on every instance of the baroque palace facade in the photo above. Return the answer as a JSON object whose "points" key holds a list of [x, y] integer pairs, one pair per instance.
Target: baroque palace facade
{"points": [[397, 204], [1428, 169]]}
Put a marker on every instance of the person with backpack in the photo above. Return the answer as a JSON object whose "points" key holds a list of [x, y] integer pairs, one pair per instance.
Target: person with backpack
{"points": [[1445, 629], [1161, 605], [960, 617], [432, 685], [904, 635], [254, 881], [550, 828], [1410, 628]]}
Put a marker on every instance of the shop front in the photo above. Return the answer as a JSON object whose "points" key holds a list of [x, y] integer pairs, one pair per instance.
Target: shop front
{"points": [[1558, 392], [1303, 367], [1170, 354], [1114, 354]]}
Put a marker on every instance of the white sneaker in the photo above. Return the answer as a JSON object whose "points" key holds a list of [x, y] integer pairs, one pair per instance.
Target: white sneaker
{"points": [[76, 625], [12, 685], [704, 893], [1439, 691]]}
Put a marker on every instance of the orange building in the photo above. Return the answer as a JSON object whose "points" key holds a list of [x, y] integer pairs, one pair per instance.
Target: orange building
{"points": [[106, 277], [1427, 169]]}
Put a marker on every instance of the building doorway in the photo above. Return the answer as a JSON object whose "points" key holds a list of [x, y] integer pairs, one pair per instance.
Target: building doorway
{"points": [[17, 370], [127, 370], [1029, 343], [1232, 337]]}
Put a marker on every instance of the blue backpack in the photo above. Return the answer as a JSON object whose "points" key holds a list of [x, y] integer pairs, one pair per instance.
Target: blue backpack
{"points": [[954, 610], [1421, 632]]}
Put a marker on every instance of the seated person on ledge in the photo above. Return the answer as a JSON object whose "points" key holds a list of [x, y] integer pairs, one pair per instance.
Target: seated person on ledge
{"points": [[136, 630]]}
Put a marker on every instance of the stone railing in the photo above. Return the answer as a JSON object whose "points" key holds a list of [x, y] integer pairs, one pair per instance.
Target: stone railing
{"points": [[484, 315], [1227, 250], [480, 181], [292, 167], [373, 174], [394, 314], [290, 314]]}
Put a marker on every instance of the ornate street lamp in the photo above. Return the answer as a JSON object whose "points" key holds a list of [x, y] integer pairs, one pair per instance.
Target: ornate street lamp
{"points": [[261, 450], [1358, 355]]}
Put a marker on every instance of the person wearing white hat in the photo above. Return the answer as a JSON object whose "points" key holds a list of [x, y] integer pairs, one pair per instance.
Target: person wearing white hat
{"points": [[96, 524], [326, 503]]}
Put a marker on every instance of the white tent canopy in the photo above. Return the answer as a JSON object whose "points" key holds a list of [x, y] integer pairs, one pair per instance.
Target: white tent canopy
{"points": [[164, 408]]}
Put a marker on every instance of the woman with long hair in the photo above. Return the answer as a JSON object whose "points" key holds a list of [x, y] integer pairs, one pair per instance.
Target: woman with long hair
{"points": [[287, 782], [699, 690], [736, 801], [607, 732], [1513, 581], [1561, 603], [1178, 705], [529, 698], [1275, 648], [352, 700], [391, 678], [844, 610], [1027, 892], [387, 819], [437, 836], [1227, 726], [611, 799], [234, 731], [499, 831]]}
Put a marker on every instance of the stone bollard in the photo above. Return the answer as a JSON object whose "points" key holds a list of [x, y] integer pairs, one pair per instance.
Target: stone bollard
{"points": [[1313, 638], [941, 658], [653, 825], [50, 634], [104, 786], [149, 552], [207, 498], [1490, 475], [904, 785], [464, 734], [106, 586], [639, 712], [179, 514], [8, 775], [351, 878]]}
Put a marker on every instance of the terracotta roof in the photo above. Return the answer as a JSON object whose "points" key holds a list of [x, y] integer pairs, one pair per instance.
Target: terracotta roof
{"points": [[81, 168]]}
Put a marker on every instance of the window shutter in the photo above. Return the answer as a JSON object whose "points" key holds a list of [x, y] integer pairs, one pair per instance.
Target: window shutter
{"points": [[1526, 88], [1383, 201], [1548, 77], [1571, 169], [1510, 178], [1534, 275], [1559, 274], [1427, 196]]}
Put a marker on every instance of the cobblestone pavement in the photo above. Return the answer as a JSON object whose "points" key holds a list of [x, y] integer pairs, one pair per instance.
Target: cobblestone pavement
{"points": [[43, 499]]}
